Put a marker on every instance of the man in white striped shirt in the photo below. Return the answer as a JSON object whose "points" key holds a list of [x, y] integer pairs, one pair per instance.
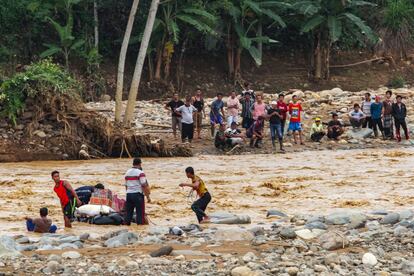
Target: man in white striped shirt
{"points": [[136, 187]]}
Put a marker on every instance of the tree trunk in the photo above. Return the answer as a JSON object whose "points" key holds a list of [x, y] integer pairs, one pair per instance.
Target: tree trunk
{"points": [[327, 60], [237, 65], [133, 92], [160, 51], [96, 23], [150, 67], [121, 63], [230, 53], [318, 58]]}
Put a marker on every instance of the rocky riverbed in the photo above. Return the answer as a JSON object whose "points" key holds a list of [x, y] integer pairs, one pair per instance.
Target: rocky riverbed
{"points": [[340, 243]]}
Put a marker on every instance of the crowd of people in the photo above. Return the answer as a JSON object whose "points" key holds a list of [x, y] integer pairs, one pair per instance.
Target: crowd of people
{"points": [[249, 111]]}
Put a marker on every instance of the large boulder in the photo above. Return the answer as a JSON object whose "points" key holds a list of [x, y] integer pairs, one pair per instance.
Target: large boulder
{"points": [[359, 133], [333, 240], [228, 218], [233, 234], [122, 239], [8, 247]]}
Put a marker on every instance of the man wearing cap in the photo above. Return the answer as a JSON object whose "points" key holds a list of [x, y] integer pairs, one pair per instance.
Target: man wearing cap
{"points": [[316, 132], [136, 186], [275, 122], [335, 128]]}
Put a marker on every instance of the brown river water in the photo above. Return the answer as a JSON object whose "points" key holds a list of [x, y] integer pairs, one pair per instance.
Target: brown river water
{"points": [[312, 182]]}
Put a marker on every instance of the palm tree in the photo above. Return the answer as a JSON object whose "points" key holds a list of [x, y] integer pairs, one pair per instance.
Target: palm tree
{"points": [[327, 21]]}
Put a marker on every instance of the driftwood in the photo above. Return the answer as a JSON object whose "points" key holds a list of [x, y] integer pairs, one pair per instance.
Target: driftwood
{"points": [[363, 62]]}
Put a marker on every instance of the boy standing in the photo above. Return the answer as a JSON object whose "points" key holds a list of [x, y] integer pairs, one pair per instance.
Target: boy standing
{"points": [[275, 123], [247, 106], [42, 224], [399, 112], [366, 109], [232, 109], [215, 117], [295, 110], [198, 116], [282, 106], [376, 114], [387, 111], [204, 197], [67, 196], [175, 118]]}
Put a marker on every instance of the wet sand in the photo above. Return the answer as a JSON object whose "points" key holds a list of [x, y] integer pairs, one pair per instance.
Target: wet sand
{"points": [[317, 182]]}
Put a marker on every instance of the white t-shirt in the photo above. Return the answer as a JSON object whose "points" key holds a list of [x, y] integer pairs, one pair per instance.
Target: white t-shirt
{"points": [[186, 113], [134, 179]]}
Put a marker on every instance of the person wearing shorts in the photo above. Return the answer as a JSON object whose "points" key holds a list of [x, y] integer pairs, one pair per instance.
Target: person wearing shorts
{"points": [[216, 113], [67, 196], [295, 125]]}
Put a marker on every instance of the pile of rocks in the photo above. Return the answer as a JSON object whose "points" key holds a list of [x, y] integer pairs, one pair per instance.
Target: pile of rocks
{"points": [[342, 243]]}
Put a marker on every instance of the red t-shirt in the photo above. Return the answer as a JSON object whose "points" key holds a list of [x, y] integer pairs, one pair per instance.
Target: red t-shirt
{"points": [[294, 110], [283, 109]]}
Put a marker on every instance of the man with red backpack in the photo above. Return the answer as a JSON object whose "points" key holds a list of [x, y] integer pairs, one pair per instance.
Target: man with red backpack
{"points": [[69, 200]]}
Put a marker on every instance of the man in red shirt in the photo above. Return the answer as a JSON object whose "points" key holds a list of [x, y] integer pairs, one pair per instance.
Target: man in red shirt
{"points": [[295, 125], [67, 196], [282, 106]]}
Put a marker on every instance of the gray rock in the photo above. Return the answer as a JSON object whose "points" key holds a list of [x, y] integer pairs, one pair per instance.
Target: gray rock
{"points": [[275, 213], [121, 240], [159, 230], [369, 259], [68, 246], [8, 247], [71, 255], [163, 251], [379, 212], [406, 214], [407, 267], [188, 253], [151, 240], [316, 225], [40, 134], [287, 233], [52, 267], [400, 230], [257, 231], [242, 271], [69, 239], [357, 221], [391, 218], [176, 231], [333, 241], [233, 234], [307, 234], [27, 247], [23, 240], [292, 271], [249, 257], [338, 218], [331, 258], [84, 236], [95, 269], [359, 134], [372, 225], [118, 232], [228, 218]]}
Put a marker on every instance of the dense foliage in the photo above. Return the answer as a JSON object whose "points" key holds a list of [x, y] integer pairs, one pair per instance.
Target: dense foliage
{"points": [[40, 81], [235, 29]]}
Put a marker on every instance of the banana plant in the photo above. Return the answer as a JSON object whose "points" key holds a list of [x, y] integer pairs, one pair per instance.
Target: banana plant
{"points": [[327, 21], [67, 42]]}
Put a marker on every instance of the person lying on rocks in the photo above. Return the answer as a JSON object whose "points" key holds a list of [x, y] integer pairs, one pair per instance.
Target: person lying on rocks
{"points": [[335, 128], [67, 196], [200, 205], [42, 224], [356, 117]]}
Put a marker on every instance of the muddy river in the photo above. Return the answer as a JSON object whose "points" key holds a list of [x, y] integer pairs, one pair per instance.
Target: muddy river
{"points": [[316, 182]]}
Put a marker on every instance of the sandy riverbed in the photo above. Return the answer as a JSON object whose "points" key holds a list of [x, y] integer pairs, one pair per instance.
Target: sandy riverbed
{"points": [[318, 182]]}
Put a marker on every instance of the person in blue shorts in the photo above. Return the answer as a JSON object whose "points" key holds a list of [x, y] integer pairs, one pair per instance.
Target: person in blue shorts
{"points": [[295, 125], [217, 113]]}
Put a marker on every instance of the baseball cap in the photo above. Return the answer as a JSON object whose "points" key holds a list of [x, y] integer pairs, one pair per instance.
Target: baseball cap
{"points": [[273, 103]]}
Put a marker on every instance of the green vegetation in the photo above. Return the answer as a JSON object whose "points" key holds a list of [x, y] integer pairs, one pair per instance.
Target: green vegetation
{"points": [[396, 82], [42, 81]]}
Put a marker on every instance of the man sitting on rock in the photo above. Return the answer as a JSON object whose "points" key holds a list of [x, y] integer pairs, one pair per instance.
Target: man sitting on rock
{"points": [[42, 224], [356, 117], [335, 128], [316, 132]]}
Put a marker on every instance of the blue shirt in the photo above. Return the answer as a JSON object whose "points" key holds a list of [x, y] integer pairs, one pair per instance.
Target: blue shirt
{"points": [[376, 109], [216, 106]]}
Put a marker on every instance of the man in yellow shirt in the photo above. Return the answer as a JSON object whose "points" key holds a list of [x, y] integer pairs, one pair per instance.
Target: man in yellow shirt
{"points": [[317, 132], [199, 206]]}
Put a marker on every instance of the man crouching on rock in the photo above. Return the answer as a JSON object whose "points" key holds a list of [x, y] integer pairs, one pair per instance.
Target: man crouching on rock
{"points": [[204, 197], [67, 196], [136, 187]]}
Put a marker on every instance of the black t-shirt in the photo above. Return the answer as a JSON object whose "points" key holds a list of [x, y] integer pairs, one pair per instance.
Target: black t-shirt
{"points": [[84, 193], [199, 104], [174, 105], [334, 123], [274, 119]]}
